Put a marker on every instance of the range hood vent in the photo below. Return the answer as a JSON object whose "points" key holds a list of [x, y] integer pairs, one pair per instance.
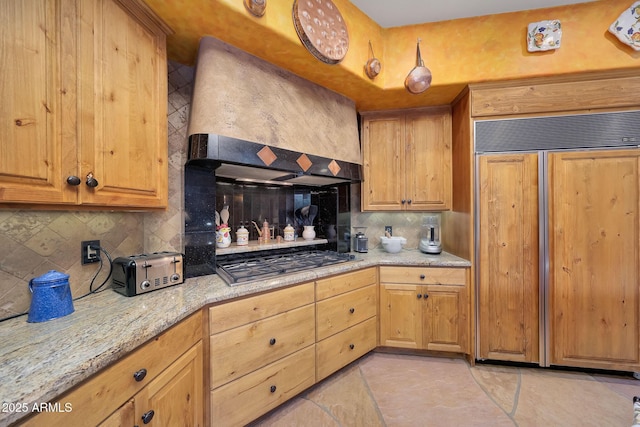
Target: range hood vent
{"points": [[249, 117], [245, 161]]}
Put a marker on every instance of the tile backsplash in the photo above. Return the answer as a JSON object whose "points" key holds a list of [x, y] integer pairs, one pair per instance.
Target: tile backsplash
{"points": [[405, 224], [34, 242]]}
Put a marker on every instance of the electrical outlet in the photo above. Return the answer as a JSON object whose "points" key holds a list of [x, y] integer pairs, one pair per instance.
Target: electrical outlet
{"points": [[90, 251], [388, 229]]}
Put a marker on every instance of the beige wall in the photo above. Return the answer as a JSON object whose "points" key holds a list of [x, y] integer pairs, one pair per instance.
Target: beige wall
{"points": [[34, 242]]}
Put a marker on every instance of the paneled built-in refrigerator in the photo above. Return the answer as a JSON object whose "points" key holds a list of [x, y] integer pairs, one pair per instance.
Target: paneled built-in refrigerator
{"points": [[558, 240]]}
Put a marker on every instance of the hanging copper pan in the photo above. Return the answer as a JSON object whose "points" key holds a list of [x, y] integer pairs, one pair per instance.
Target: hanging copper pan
{"points": [[419, 78]]}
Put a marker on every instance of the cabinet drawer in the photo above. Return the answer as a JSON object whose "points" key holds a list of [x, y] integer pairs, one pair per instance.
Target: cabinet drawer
{"points": [[253, 395], [331, 286], [116, 384], [238, 351], [338, 313], [424, 275], [240, 312], [343, 348]]}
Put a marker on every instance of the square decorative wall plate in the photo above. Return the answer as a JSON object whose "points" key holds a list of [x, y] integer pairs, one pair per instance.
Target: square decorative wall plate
{"points": [[544, 35], [627, 27]]}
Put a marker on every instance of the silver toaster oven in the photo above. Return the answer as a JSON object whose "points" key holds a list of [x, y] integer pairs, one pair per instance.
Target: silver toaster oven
{"points": [[138, 274]]}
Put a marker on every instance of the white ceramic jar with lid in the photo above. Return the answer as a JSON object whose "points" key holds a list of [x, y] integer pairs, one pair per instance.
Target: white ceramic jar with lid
{"points": [[289, 233], [242, 236]]}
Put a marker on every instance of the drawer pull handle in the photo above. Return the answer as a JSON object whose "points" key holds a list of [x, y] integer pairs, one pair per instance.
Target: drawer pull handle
{"points": [[351, 346], [422, 277], [139, 375], [147, 416], [272, 341], [419, 296], [273, 389], [352, 310]]}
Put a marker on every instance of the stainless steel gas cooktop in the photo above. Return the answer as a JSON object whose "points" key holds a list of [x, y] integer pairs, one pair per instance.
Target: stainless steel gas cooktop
{"points": [[247, 268]]}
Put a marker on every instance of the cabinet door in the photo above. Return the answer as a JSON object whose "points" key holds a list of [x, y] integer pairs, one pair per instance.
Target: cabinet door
{"points": [[445, 318], [383, 158], [38, 147], [508, 280], [124, 416], [594, 262], [175, 397], [428, 159], [401, 315], [123, 103]]}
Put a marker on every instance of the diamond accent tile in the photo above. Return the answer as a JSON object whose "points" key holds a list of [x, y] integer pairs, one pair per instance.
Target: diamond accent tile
{"points": [[304, 162], [334, 167], [267, 155]]}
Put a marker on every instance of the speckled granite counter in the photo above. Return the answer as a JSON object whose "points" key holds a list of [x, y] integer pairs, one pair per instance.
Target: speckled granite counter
{"points": [[39, 361]]}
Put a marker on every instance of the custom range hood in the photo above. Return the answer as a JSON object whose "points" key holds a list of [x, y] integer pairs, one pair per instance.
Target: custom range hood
{"points": [[253, 121]]}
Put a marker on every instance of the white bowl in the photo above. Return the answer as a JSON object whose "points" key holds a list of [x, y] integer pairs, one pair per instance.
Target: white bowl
{"points": [[393, 244]]}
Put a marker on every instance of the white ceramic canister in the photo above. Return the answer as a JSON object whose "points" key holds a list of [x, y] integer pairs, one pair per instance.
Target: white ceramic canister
{"points": [[242, 236], [289, 233]]}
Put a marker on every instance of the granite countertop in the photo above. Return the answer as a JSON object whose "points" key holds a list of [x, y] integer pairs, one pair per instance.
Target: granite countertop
{"points": [[39, 361]]}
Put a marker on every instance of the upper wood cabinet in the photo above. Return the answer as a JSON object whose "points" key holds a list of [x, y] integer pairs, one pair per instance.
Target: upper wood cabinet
{"points": [[407, 160], [84, 110]]}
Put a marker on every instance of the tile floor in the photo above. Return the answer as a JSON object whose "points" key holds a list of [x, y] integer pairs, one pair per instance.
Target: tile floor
{"points": [[384, 389]]}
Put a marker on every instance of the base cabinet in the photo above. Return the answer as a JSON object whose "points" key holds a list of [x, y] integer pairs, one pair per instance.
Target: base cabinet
{"points": [[346, 319], [425, 308], [262, 353], [255, 394], [176, 396], [161, 381]]}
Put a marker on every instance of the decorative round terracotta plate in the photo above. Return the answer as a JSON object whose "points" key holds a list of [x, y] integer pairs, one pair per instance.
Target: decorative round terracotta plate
{"points": [[321, 29]]}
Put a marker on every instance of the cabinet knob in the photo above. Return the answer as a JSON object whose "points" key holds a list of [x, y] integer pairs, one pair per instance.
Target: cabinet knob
{"points": [[419, 296], [73, 180], [352, 346], [403, 201], [273, 389], [139, 375], [147, 416], [426, 296], [91, 181], [409, 201], [352, 310], [272, 341], [422, 277]]}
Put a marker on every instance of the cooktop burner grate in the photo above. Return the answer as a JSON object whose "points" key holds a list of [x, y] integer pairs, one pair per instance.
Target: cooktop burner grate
{"points": [[249, 268]]}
